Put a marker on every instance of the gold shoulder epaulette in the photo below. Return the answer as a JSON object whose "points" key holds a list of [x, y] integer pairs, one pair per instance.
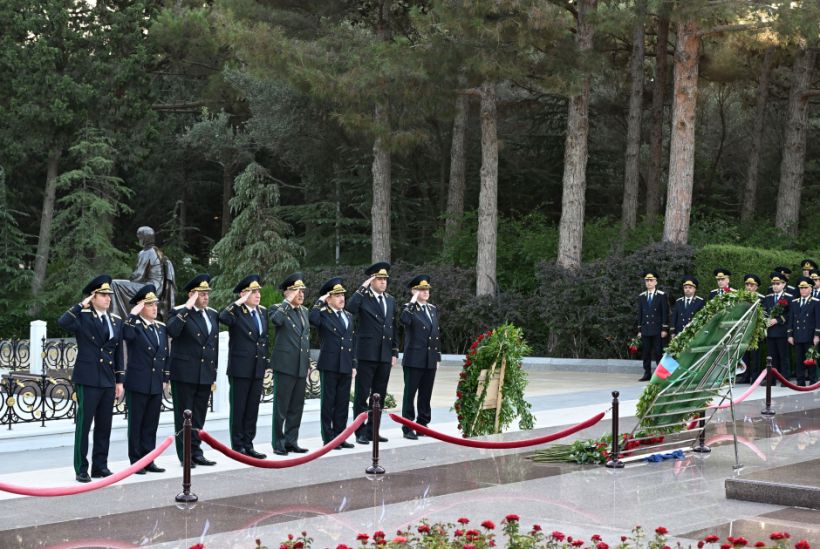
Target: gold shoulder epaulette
{"points": [[85, 310], [160, 323]]}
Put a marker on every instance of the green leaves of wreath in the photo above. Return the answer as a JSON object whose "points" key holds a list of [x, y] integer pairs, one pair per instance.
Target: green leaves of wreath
{"points": [[504, 343]]}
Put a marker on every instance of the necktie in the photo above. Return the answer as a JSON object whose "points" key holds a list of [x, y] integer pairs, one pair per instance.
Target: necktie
{"points": [[802, 302], [207, 320], [427, 312], [687, 302], [256, 320], [156, 333], [106, 324], [649, 298], [342, 318], [382, 305]]}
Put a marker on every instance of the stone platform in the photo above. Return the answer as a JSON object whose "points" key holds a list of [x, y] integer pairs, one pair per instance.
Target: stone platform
{"points": [[797, 485]]}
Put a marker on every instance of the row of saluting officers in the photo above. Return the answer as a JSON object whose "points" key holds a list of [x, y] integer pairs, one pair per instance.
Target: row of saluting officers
{"points": [[358, 341], [793, 317]]}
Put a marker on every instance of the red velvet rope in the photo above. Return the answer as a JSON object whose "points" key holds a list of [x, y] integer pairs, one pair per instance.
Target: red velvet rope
{"points": [[792, 386], [96, 485], [283, 463], [497, 445]]}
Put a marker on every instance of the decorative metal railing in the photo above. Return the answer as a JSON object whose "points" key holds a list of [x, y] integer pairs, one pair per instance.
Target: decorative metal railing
{"points": [[15, 354]]}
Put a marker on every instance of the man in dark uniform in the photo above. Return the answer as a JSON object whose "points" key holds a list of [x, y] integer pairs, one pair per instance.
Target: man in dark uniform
{"points": [[377, 347], [786, 274], [422, 353], [652, 322], [290, 362], [751, 358], [247, 323], [722, 279], [97, 376], [808, 265], [146, 374], [337, 359], [814, 274], [194, 328], [804, 328], [687, 306], [777, 304]]}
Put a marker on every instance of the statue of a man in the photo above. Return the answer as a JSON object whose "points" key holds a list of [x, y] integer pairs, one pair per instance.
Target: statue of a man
{"points": [[152, 268], [149, 263]]}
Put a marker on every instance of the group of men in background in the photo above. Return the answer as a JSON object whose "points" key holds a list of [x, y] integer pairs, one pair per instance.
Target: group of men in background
{"points": [[792, 318], [140, 356]]}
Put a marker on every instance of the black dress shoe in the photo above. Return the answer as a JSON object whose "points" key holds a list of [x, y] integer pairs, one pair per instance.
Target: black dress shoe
{"points": [[202, 460], [254, 454], [361, 439], [153, 468], [240, 451], [339, 447], [280, 452], [645, 378], [382, 439], [101, 473], [82, 477], [193, 465], [411, 435], [346, 444], [420, 434], [140, 472], [295, 448]]}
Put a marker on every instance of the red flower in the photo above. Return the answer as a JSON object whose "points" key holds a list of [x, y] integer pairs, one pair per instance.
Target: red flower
{"points": [[711, 538], [802, 544], [378, 534], [400, 539], [423, 529], [577, 543], [782, 302], [468, 546], [596, 537], [776, 535], [787, 535], [556, 535], [362, 537], [463, 520], [760, 544], [725, 546], [661, 531], [199, 546], [601, 545], [298, 545], [342, 546], [458, 394], [701, 544], [740, 541], [462, 375], [623, 539], [284, 546], [809, 362], [458, 533], [258, 541], [488, 524], [512, 518]]}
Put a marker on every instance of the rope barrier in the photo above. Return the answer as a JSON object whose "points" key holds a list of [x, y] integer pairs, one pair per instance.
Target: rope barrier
{"points": [[792, 386], [497, 445], [96, 485], [283, 463], [744, 396]]}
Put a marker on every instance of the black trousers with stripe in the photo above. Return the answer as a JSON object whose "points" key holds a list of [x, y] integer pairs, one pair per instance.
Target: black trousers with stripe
{"points": [[335, 403], [245, 394], [371, 378], [143, 420], [94, 405], [194, 397], [417, 380], [288, 405]]}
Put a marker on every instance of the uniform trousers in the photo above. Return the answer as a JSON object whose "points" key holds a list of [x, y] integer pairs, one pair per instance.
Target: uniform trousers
{"points": [[288, 404], [335, 403], [143, 420], [94, 404], [194, 397], [417, 380], [371, 378], [245, 394]]}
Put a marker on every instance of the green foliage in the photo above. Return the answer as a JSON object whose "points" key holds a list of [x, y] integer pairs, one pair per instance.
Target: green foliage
{"points": [[15, 276], [742, 260]]}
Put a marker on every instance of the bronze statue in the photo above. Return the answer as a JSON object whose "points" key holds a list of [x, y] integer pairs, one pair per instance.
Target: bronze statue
{"points": [[153, 267]]}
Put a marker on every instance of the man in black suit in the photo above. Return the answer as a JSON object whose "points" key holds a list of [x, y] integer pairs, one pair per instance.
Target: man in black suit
{"points": [[751, 357], [814, 274], [194, 328], [687, 306], [723, 283], [422, 353], [777, 305], [247, 323], [290, 362], [652, 322], [804, 328], [377, 346], [146, 375], [337, 359], [97, 376], [786, 274], [808, 265]]}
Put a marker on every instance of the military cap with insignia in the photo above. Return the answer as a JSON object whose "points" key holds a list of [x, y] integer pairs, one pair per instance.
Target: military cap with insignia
{"points": [[199, 283], [690, 280], [293, 282], [147, 294], [100, 285], [783, 270], [814, 274], [721, 272], [379, 270], [775, 276], [804, 282], [420, 282], [250, 282], [333, 286], [809, 264], [751, 278], [649, 274]]}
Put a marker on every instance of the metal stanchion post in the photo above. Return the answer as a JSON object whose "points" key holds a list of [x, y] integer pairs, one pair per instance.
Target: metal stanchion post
{"points": [[767, 411], [701, 447], [375, 468], [614, 462], [186, 496]]}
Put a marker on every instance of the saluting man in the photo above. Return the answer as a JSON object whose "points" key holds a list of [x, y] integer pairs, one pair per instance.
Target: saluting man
{"points": [[247, 323], [652, 322], [687, 306], [752, 357], [804, 328], [194, 328], [722, 279], [777, 305], [290, 362], [337, 359], [97, 376], [422, 353], [377, 347], [146, 375]]}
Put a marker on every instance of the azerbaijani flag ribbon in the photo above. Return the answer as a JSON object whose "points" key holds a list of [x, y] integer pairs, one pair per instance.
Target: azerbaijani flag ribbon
{"points": [[666, 367]]}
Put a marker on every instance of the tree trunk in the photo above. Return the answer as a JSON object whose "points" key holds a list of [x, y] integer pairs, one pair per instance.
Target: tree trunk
{"points": [[380, 212], [653, 181], [747, 210], [227, 194], [682, 143], [629, 208], [488, 197], [458, 164], [571, 227], [44, 240], [794, 144]]}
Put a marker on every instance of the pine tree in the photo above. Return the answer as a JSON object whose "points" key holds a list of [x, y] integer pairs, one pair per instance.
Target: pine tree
{"points": [[15, 274]]}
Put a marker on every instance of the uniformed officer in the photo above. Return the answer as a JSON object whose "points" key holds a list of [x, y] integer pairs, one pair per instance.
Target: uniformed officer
{"points": [[808, 265], [337, 358], [377, 346], [194, 328], [290, 362], [247, 323], [146, 374], [687, 306], [814, 274], [804, 328], [652, 322], [777, 305], [722, 279], [751, 357], [98, 374], [786, 273], [422, 352]]}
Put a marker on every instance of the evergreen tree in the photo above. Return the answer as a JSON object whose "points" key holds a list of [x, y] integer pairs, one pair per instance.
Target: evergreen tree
{"points": [[15, 274]]}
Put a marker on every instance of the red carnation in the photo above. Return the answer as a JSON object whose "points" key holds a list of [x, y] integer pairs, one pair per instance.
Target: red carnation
{"points": [[362, 537], [776, 535], [809, 362], [458, 533], [298, 545], [760, 544], [802, 544], [378, 534], [661, 531], [463, 520], [423, 529], [556, 535], [458, 394], [284, 546], [601, 545], [342, 546], [711, 538], [577, 543], [512, 518], [468, 546], [782, 302], [488, 524], [596, 537], [740, 541], [400, 539], [197, 546], [623, 539], [462, 375], [725, 546], [701, 544]]}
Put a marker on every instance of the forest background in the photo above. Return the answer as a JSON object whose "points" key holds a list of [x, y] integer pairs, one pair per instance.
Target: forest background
{"points": [[531, 156]]}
